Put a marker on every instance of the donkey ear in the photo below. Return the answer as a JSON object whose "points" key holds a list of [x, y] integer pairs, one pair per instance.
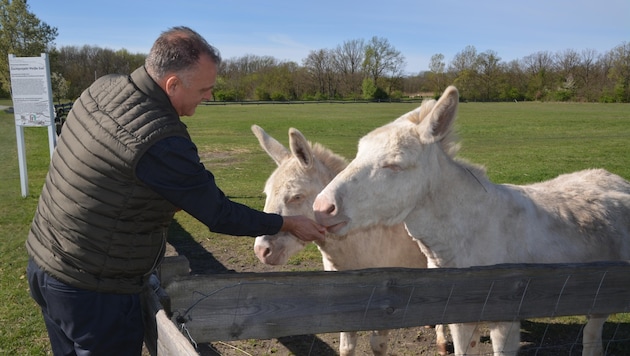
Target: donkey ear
{"points": [[274, 149], [418, 114], [439, 121], [301, 148]]}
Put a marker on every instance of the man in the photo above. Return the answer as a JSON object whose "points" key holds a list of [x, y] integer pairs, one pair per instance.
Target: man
{"points": [[123, 166]]}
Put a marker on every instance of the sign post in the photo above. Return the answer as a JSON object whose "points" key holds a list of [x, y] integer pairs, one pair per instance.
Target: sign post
{"points": [[31, 91]]}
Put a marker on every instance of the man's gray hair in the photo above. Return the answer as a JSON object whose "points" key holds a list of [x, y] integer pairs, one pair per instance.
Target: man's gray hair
{"points": [[177, 50]]}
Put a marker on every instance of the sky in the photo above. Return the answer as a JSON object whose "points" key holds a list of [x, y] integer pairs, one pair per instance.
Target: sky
{"points": [[290, 30]]}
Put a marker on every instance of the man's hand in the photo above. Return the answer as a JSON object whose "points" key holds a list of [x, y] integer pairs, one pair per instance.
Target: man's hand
{"points": [[303, 228]]}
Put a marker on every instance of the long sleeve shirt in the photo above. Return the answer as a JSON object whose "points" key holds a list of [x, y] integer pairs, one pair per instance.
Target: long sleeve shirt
{"points": [[172, 168]]}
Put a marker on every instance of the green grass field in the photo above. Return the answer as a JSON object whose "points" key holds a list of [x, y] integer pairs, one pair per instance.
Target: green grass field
{"points": [[517, 143]]}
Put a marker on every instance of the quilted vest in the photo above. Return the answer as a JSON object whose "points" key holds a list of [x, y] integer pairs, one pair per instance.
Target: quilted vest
{"points": [[97, 227]]}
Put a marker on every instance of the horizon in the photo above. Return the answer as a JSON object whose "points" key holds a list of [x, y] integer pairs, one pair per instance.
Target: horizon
{"points": [[289, 31]]}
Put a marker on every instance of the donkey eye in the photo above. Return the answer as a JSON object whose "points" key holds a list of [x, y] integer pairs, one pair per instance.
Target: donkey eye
{"points": [[295, 199], [392, 166]]}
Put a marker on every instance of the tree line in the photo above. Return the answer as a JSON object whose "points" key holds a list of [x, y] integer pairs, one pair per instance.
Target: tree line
{"points": [[357, 69], [371, 70]]}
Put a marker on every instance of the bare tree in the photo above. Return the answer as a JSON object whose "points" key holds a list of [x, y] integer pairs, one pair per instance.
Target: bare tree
{"points": [[489, 68], [539, 66], [620, 72], [586, 73], [320, 66], [567, 62], [463, 68], [348, 59], [382, 60], [515, 82], [437, 69]]}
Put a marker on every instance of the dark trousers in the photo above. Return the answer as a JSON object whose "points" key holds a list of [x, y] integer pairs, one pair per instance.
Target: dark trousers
{"points": [[82, 322]]}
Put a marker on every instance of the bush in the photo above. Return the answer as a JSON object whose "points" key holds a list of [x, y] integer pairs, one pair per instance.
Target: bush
{"points": [[563, 95], [262, 94], [278, 97], [369, 89], [396, 95], [228, 95]]}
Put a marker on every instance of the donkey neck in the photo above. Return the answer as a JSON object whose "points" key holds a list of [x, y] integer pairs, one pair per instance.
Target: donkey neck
{"points": [[447, 218], [457, 180], [378, 246]]}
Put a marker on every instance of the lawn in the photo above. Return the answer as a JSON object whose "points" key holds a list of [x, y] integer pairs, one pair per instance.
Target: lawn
{"points": [[516, 142]]}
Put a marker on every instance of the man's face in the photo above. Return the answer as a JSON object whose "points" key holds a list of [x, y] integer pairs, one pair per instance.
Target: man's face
{"points": [[186, 93]]}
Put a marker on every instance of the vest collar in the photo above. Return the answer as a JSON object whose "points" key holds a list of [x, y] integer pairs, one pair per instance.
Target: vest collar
{"points": [[148, 86]]}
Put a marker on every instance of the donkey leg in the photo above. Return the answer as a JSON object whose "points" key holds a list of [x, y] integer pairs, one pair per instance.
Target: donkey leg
{"points": [[347, 343], [465, 338], [440, 339], [378, 342], [506, 338], [592, 335]]}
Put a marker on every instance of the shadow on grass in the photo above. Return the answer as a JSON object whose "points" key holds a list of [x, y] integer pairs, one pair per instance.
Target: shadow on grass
{"points": [[203, 261]]}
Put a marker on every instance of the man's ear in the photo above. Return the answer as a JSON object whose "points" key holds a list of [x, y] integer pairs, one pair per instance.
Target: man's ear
{"points": [[171, 84]]}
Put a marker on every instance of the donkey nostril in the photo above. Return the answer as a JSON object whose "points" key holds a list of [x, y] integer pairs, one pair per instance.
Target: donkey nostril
{"points": [[323, 206], [266, 252]]}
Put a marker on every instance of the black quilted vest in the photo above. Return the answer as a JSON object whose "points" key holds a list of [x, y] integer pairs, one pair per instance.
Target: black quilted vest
{"points": [[97, 226]]}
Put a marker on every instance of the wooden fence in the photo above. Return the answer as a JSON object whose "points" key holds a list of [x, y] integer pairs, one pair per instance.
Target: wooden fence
{"points": [[236, 306]]}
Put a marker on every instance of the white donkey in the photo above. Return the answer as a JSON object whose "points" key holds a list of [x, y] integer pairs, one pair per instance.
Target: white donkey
{"points": [[291, 189], [406, 171]]}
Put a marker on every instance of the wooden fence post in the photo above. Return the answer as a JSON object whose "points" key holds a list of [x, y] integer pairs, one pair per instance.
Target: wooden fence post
{"points": [[161, 336]]}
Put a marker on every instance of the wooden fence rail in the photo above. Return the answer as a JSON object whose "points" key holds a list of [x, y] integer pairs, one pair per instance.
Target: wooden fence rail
{"points": [[237, 306]]}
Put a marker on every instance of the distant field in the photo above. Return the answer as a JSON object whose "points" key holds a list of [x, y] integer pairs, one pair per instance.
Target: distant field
{"points": [[516, 142]]}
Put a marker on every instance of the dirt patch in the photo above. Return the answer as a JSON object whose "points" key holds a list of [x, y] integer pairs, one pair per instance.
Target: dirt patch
{"points": [[221, 158], [416, 341]]}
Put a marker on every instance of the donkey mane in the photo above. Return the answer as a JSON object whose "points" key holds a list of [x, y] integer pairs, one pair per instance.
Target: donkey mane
{"points": [[450, 143], [328, 158]]}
